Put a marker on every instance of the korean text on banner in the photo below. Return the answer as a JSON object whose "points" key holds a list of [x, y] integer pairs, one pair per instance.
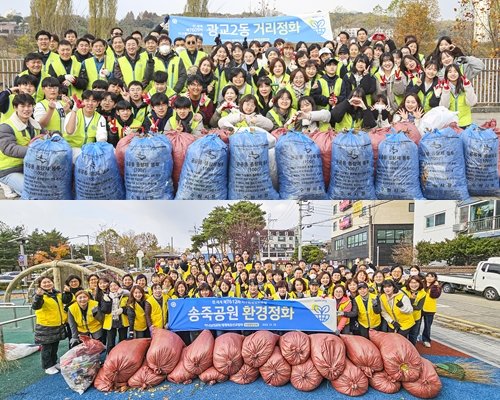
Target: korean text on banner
{"points": [[308, 28], [309, 314]]}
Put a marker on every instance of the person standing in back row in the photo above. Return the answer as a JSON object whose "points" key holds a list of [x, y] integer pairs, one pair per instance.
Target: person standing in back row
{"points": [[433, 290]]}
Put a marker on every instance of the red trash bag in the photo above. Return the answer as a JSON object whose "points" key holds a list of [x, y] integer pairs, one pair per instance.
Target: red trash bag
{"points": [[410, 130], [455, 127], [277, 133], [276, 371], [245, 375], [165, 351], [258, 347], [227, 353], [295, 347], [145, 378], [120, 150], [380, 381], [402, 362], [352, 382], [305, 377], [363, 353], [328, 354], [121, 363], [180, 374], [211, 376], [199, 353], [180, 143], [324, 141], [492, 124], [428, 386], [376, 136]]}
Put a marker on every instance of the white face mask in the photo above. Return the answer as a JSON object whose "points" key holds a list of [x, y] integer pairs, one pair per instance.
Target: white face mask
{"points": [[179, 49], [164, 49], [413, 273], [312, 276]]}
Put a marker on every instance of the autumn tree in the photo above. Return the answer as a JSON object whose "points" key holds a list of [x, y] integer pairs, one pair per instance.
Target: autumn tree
{"points": [[55, 16], [196, 8], [102, 16], [419, 18], [403, 253], [477, 26]]}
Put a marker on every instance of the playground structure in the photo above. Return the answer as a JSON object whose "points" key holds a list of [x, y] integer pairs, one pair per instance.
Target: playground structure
{"points": [[60, 270]]}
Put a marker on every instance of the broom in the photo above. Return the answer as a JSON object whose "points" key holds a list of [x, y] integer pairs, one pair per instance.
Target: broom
{"points": [[466, 371]]}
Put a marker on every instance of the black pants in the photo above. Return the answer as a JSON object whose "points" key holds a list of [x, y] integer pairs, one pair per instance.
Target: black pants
{"points": [[142, 334], [428, 319], [111, 337], [49, 354], [414, 331], [365, 332], [185, 336]]}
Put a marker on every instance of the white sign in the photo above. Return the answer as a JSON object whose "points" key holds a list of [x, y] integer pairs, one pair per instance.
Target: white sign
{"points": [[89, 258], [139, 254]]}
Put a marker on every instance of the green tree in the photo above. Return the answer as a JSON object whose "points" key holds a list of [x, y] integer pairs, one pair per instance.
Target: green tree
{"points": [[109, 242], [310, 254], [215, 229], [44, 240], [9, 251]]}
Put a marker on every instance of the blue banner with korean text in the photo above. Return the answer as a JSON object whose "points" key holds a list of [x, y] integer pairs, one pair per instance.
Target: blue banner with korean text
{"points": [[309, 314], [308, 28]]}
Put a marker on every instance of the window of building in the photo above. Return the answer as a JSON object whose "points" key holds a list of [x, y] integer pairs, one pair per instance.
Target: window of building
{"points": [[335, 209], [339, 244], [281, 239], [435, 220], [464, 214], [334, 226], [360, 239], [411, 207], [393, 236], [363, 211]]}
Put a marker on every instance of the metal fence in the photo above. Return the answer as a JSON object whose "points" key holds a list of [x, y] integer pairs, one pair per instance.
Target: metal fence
{"points": [[487, 83]]}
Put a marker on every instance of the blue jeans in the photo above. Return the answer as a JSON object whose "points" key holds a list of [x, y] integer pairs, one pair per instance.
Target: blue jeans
{"points": [[414, 331], [15, 181], [428, 319]]}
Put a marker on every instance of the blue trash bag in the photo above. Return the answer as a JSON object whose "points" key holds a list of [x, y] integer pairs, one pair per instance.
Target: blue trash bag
{"points": [[96, 173], [148, 168], [48, 170], [352, 167], [204, 172], [398, 175], [442, 166], [300, 169], [481, 159], [249, 173]]}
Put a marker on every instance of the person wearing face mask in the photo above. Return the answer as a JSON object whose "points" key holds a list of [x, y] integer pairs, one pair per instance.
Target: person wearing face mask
{"points": [[171, 63]]}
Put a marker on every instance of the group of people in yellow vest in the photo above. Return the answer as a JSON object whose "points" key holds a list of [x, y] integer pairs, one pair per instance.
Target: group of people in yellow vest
{"points": [[366, 299], [91, 89]]}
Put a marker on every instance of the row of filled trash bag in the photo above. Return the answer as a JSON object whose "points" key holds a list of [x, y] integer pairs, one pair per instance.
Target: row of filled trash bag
{"points": [[251, 164], [386, 362]]}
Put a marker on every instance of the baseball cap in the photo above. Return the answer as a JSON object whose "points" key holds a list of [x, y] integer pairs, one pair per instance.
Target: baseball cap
{"points": [[331, 60], [325, 50]]}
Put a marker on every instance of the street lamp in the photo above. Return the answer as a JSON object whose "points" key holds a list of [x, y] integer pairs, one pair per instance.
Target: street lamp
{"points": [[258, 243], [88, 243]]}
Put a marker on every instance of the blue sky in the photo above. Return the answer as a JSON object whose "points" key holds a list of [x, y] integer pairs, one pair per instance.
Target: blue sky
{"points": [[285, 6], [163, 218]]}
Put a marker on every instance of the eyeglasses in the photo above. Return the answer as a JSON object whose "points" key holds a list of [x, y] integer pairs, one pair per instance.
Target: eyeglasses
{"points": [[190, 42], [117, 34]]}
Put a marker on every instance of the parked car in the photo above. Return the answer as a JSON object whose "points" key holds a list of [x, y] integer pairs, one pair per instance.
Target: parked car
{"points": [[484, 281]]}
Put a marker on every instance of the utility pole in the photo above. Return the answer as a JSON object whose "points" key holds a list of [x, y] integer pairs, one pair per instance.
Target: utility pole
{"points": [[305, 208], [370, 233], [269, 220]]}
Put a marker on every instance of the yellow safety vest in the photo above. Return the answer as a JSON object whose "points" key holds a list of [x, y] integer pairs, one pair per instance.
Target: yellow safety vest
{"points": [[135, 125], [417, 314], [132, 74], [22, 139], [140, 318], [367, 318], [158, 314], [348, 123], [91, 68], [91, 325], [326, 90], [405, 320], [458, 103], [277, 118], [184, 56], [84, 133], [6, 115], [174, 124], [56, 123], [430, 304], [309, 294], [59, 69], [108, 318], [52, 312]]}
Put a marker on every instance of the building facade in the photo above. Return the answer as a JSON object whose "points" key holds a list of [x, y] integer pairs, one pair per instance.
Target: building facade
{"points": [[370, 229], [436, 221], [278, 244]]}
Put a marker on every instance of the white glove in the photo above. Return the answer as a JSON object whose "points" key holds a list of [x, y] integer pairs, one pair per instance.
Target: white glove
{"points": [[103, 73], [70, 78], [106, 297]]}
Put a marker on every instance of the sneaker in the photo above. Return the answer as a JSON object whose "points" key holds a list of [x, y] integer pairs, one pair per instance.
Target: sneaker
{"points": [[57, 366], [8, 192], [51, 371], [427, 344]]}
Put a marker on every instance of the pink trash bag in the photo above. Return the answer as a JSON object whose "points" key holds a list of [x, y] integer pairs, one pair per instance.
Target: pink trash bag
{"points": [[245, 375], [145, 378], [276, 371], [352, 382], [165, 351], [227, 357], [328, 354], [258, 347], [180, 374], [305, 377], [295, 347], [199, 353], [428, 385], [211, 376], [363, 353]]}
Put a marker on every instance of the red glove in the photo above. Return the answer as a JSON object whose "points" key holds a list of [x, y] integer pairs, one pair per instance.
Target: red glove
{"points": [[333, 98], [172, 100], [419, 69], [446, 85], [397, 74], [146, 98], [383, 81], [77, 101], [409, 75], [113, 128], [154, 125], [465, 80]]}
